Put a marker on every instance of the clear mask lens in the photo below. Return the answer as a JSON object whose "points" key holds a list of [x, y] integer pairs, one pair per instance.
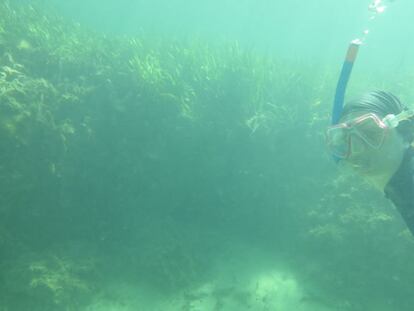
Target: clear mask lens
{"points": [[370, 131], [338, 141]]}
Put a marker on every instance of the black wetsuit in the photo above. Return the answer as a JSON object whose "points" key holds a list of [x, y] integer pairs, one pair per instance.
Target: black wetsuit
{"points": [[400, 189]]}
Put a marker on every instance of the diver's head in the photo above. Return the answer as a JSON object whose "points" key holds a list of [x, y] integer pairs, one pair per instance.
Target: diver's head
{"points": [[372, 135]]}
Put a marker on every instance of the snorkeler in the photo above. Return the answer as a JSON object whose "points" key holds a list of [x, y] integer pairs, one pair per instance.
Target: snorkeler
{"points": [[375, 136]]}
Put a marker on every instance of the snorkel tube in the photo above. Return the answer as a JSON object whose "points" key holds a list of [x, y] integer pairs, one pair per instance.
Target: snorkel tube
{"points": [[376, 8], [343, 80]]}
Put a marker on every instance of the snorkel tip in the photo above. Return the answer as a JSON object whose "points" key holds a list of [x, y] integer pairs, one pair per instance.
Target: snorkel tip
{"points": [[352, 52]]}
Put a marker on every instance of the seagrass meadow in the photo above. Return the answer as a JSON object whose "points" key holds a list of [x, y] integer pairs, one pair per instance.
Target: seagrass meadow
{"points": [[145, 171]]}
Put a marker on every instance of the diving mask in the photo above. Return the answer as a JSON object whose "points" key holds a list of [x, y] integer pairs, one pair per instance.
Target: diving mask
{"points": [[369, 128]]}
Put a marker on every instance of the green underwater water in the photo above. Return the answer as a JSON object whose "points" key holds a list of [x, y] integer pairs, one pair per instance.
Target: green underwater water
{"points": [[165, 156]]}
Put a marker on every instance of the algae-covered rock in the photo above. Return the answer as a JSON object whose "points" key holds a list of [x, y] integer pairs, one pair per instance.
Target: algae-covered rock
{"points": [[47, 282]]}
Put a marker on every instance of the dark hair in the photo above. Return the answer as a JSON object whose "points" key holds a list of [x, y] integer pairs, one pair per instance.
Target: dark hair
{"points": [[381, 103]]}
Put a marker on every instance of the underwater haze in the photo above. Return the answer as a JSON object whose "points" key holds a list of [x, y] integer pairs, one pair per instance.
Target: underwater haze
{"points": [[169, 156], [315, 31]]}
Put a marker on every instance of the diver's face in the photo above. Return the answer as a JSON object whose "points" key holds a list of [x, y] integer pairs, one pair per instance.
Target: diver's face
{"points": [[381, 161]]}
